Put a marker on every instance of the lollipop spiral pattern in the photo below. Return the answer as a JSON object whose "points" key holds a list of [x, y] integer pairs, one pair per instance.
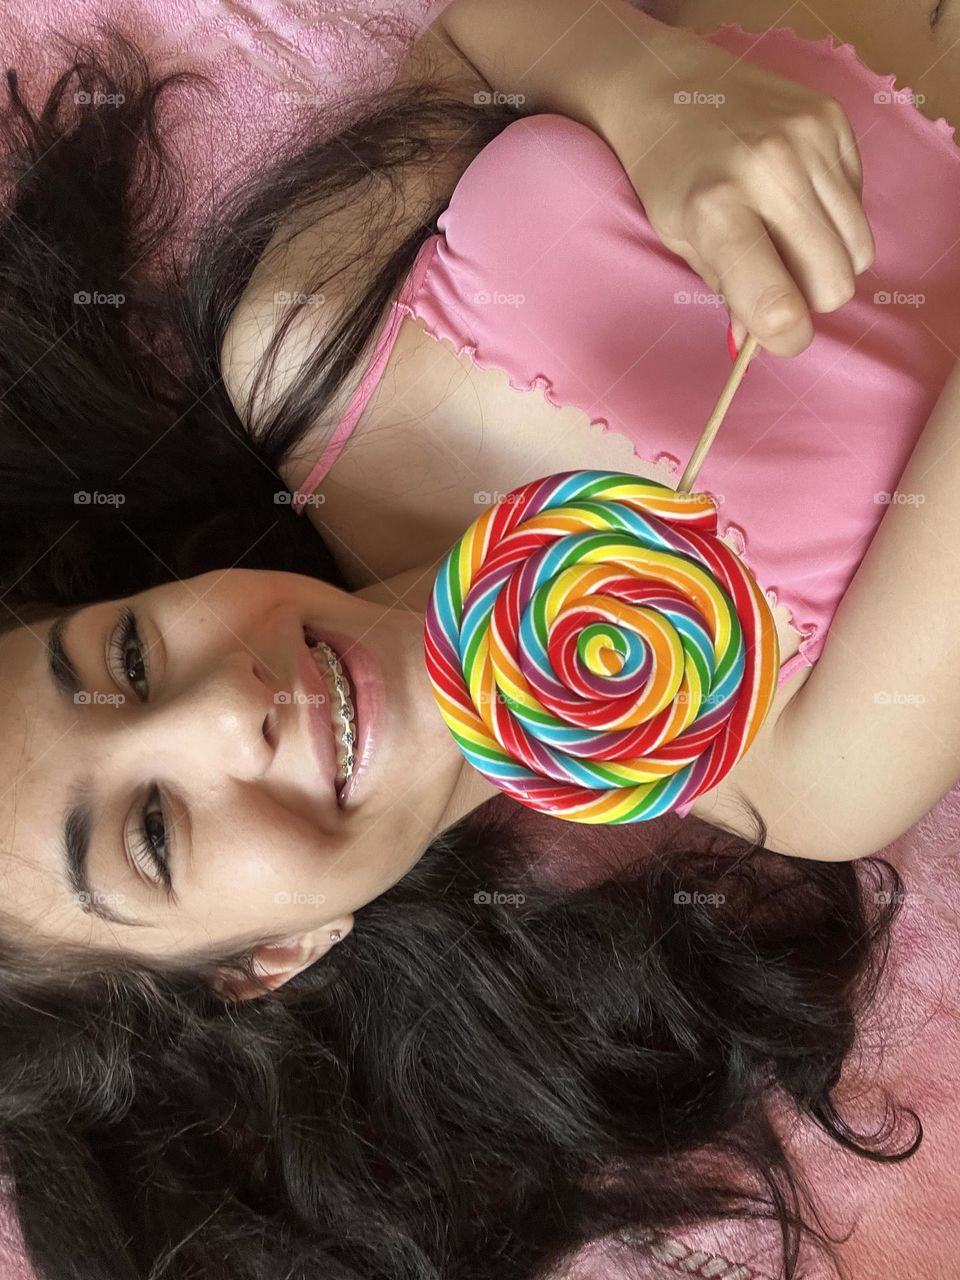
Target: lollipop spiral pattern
{"points": [[595, 649]]}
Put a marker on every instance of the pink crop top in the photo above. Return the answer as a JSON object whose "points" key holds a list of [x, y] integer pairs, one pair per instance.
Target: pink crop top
{"points": [[545, 267]]}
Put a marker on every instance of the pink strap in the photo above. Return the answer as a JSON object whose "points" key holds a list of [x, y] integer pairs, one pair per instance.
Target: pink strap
{"points": [[371, 376], [358, 402]]}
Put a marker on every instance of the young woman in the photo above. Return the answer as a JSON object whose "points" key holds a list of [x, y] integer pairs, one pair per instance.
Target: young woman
{"points": [[540, 304], [481, 1076], [466, 1086]]}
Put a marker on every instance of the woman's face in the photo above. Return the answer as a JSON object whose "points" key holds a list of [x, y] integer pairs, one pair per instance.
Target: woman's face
{"points": [[167, 766]]}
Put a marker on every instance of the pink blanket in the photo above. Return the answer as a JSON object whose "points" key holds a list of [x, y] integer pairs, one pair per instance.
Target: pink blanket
{"points": [[272, 58]]}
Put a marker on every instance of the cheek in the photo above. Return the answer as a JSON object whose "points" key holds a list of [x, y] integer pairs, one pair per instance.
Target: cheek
{"points": [[263, 867]]}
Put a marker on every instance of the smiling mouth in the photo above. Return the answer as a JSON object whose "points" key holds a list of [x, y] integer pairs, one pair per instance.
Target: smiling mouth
{"points": [[343, 713]]}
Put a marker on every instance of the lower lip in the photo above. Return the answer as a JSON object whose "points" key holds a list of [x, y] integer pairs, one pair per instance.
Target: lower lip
{"points": [[366, 685]]}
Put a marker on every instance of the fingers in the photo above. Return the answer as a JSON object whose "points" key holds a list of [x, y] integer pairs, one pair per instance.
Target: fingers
{"points": [[848, 153], [838, 195], [803, 255], [706, 274], [737, 251], [813, 251]]}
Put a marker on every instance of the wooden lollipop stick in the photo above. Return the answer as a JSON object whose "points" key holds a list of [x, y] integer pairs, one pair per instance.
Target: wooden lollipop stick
{"points": [[719, 413]]}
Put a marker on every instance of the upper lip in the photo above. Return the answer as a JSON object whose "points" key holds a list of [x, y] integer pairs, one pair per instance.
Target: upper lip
{"points": [[317, 716]]}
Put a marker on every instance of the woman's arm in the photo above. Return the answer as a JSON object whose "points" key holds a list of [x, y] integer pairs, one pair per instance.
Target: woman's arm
{"points": [[754, 180], [871, 742], [737, 188]]}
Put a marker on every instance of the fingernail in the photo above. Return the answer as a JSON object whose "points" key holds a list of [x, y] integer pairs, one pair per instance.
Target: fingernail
{"points": [[732, 347]]}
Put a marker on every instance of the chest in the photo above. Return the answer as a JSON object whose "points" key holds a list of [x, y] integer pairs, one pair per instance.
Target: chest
{"points": [[441, 439], [918, 41]]}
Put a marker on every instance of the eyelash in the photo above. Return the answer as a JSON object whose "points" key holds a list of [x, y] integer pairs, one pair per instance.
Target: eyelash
{"points": [[125, 635], [146, 844]]}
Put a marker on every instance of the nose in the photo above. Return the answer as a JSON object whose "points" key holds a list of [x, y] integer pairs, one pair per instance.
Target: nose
{"points": [[219, 722]]}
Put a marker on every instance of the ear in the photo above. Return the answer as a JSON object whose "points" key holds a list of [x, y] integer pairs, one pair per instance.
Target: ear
{"points": [[277, 962]]}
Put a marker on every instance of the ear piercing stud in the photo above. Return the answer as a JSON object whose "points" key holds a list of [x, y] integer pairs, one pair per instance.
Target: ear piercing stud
{"points": [[335, 935]]}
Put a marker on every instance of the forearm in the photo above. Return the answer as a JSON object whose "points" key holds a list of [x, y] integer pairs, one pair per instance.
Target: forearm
{"points": [[574, 57], [872, 740]]}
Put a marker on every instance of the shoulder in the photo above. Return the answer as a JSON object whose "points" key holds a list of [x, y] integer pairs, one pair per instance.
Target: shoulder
{"points": [[278, 287], [282, 315]]}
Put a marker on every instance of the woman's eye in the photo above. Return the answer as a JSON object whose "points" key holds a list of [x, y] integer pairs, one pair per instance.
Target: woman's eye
{"points": [[128, 659], [153, 843], [149, 846]]}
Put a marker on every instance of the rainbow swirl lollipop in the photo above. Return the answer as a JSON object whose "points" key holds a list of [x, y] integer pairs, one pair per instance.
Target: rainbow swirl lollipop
{"points": [[595, 649]]}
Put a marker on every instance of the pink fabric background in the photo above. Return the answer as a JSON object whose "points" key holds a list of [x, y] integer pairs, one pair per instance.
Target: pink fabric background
{"points": [[261, 53]]}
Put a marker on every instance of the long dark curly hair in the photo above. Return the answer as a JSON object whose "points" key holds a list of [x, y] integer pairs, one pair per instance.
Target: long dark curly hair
{"points": [[492, 1069]]}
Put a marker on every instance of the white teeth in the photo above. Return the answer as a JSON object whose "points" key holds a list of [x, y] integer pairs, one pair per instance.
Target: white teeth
{"points": [[342, 710]]}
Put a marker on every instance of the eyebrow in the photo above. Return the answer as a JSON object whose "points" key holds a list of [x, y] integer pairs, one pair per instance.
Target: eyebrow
{"points": [[64, 674], [78, 816]]}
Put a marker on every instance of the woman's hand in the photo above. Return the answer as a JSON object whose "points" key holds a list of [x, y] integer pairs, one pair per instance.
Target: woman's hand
{"points": [[755, 181], [751, 178]]}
